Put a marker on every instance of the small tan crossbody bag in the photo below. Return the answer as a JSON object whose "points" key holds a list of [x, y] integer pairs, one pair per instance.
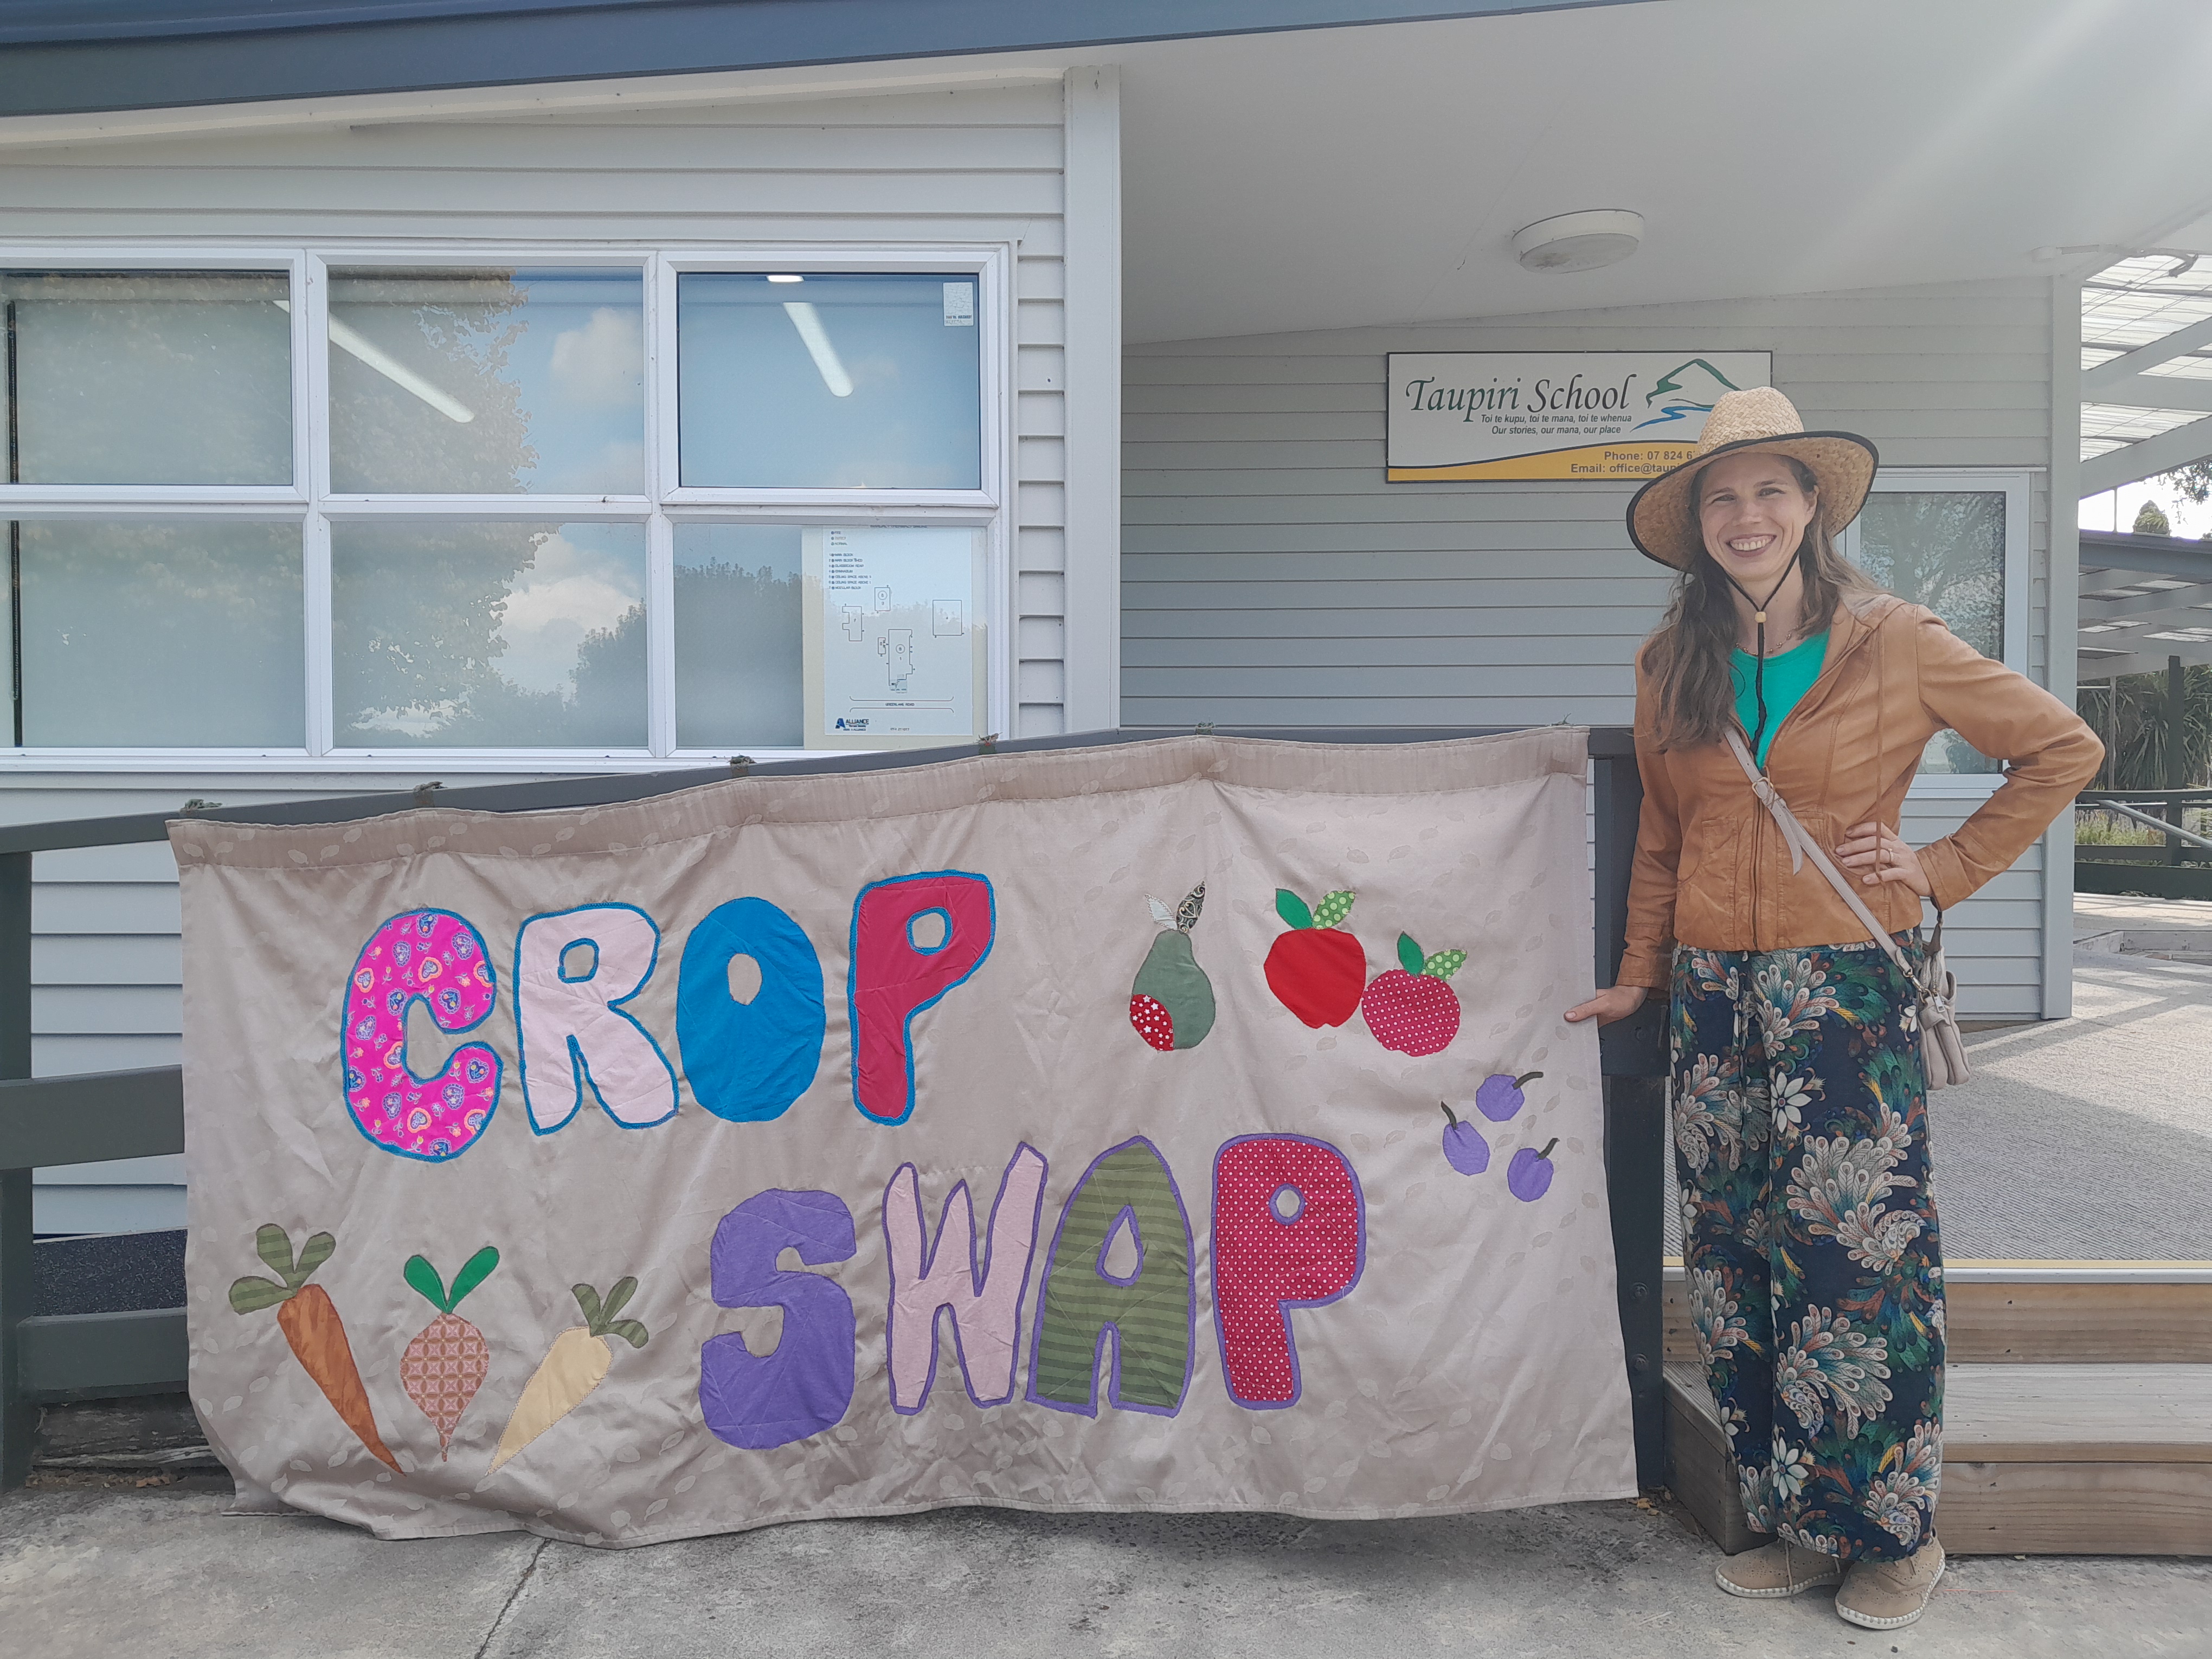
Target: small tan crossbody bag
{"points": [[1941, 1050]]}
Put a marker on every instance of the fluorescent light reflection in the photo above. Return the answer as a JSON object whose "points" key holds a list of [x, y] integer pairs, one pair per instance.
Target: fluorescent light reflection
{"points": [[786, 279], [354, 344], [809, 325]]}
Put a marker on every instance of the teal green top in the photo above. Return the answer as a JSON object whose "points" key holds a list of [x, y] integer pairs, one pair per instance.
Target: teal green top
{"points": [[1788, 677]]}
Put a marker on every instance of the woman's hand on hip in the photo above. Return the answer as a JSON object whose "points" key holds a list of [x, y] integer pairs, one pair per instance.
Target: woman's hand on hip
{"points": [[1607, 1005], [1875, 853]]}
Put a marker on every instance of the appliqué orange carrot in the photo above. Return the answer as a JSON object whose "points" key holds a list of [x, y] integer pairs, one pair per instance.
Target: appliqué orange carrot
{"points": [[575, 1365], [310, 1324]]}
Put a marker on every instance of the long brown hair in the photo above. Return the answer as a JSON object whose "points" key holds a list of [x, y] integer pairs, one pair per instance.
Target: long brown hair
{"points": [[1687, 657]]}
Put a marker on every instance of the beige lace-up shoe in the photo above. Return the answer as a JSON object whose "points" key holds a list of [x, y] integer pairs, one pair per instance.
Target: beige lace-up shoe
{"points": [[1888, 1595], [1777, 1569]]}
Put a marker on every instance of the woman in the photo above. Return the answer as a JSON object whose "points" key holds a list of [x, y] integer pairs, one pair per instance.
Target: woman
{"points": [[1799, 1099]]}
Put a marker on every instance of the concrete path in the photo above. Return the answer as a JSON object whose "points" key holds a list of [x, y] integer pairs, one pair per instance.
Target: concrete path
{"points": [[91, 1575], [2088, 1138]]}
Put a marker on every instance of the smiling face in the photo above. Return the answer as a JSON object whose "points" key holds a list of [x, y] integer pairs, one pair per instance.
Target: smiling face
{"points": [[1753, 513]]}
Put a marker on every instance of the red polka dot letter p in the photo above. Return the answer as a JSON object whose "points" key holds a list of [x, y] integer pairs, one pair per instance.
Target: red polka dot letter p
{"points": [[913, 938], [1290, 1230]]}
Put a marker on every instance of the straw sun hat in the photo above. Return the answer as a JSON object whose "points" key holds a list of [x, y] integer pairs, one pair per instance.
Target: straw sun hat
{"points": [[1663, 520]]}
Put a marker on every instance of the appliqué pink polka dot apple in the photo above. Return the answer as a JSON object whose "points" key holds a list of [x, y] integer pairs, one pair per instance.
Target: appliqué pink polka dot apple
{"points": [[1410, 1009]]}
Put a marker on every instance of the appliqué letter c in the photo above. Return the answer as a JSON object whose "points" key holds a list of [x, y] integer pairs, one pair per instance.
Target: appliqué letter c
{"points": [[437, 958], [891, 978], [1290, 1230]]}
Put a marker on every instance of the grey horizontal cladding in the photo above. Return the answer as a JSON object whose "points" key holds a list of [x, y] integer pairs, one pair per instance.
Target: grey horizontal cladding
{"points": [[725, 147], [2021, 365], [1351, 592], [1145, 629], [357, 48], [101, 1009], [1372, 680], [1602, 511], [1185, 710], [30, 189], [104, 908], [1202, 656], [1932, 419], [107, 959], [1491, 550], [1143, 402], [62, 1055], [145, 861]]}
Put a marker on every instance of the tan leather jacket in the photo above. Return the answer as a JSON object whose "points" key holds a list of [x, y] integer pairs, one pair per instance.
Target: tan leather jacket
{"points": [[1711, 868]]}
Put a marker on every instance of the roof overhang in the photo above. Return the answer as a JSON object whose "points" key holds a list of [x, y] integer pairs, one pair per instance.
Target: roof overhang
{"points": [[2145, 599], [74, 57], [1295, 165]]}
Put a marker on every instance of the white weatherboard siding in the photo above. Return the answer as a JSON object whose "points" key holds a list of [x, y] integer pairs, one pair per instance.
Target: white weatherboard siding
{"points": [[1271, 577], [974, 166]]}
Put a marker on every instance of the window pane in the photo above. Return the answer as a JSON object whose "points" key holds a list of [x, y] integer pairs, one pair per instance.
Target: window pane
{"points": [[1945, 550], [182, 632], [488, 635], [476, 382], [155, 379], [831, 382], [737, 650]]}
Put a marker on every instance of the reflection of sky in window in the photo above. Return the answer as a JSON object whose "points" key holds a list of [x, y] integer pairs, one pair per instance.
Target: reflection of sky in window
{"points": [[843, 381], [412, 351], [585, 576]]}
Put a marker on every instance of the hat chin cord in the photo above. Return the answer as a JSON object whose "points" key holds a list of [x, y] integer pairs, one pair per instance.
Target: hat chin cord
{"points": [[1759, 661]]}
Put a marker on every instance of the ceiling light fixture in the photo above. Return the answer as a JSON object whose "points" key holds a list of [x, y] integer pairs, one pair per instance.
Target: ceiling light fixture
{"points": [[786, 279], [1579, 241]]}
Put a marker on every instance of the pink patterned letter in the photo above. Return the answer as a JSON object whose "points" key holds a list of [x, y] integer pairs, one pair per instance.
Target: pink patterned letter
{"points": [[437, 958], [1290, 1230]]}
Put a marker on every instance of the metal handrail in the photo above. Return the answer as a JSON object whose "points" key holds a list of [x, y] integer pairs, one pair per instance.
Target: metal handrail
{"points": [[91, 1117], [2160, 824]]}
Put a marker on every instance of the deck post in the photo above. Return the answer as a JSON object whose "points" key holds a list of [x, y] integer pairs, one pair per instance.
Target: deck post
{"points": [[19, 1415], [1635, 1106]]}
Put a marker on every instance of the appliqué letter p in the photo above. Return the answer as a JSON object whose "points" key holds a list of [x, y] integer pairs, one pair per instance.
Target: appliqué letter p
{"points": [[896, 973]]}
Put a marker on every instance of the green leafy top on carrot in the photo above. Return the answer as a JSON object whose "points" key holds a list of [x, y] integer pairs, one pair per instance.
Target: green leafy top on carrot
{"points": [[600, 1320], [424, 1279], [274, 1246]]}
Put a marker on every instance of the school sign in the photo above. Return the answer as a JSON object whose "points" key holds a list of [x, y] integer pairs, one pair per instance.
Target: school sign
{"points": [[1183, 1125], [1587, 417]]}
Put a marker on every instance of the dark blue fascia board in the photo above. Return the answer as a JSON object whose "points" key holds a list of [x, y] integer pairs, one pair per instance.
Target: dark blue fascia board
{"points": [[76, 57]]}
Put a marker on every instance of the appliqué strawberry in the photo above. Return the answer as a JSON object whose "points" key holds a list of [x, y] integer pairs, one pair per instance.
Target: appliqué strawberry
{"points": [[1410, 1008]]}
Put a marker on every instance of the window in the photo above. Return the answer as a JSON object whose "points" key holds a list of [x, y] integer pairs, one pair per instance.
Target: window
{"points": [[309, 502], [1956, 542]]}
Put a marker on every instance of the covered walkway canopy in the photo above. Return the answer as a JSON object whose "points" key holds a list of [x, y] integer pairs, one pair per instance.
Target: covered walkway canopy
{"points": [[2145, 601]]}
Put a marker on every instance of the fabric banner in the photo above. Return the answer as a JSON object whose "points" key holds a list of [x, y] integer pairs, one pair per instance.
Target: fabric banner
{"points": [[1179, 1125]]}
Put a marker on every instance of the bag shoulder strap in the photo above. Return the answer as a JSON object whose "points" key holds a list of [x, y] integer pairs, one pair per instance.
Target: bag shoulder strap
{"points": [[1801, 845]]}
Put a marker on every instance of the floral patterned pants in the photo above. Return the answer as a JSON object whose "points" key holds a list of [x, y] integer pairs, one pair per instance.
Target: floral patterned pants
{"points": [[1808, 1223]]}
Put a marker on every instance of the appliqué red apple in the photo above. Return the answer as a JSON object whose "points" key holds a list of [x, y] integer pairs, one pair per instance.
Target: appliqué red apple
{"points": [[1315, 970], [1410, 1009], [1465, 1149], [1529, 1176], [1500, 1097]]}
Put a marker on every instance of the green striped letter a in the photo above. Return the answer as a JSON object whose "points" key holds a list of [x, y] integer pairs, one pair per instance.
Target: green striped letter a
{"points": [[1151, 1313]]}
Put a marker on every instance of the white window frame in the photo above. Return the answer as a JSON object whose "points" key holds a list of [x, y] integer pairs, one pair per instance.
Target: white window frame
{"points": [[2017, 486], [309, 502]]}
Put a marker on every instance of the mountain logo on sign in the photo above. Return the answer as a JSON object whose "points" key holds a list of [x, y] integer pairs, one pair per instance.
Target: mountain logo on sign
{"points": [[1687, 389]]}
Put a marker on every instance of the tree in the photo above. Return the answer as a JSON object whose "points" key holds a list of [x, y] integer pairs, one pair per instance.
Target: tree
{"points": [[2132, 714], [2149, 521]]}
